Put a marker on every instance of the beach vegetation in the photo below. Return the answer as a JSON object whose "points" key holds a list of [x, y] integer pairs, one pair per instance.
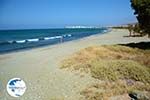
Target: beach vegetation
{"points": [[121, 69], [105, 89], [135, 30]]}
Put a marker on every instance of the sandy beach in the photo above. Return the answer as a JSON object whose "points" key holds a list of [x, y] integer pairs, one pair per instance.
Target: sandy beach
{"points": [[40, 67]]}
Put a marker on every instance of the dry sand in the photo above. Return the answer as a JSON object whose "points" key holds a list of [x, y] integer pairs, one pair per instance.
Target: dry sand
{"points": [[40, 68]]}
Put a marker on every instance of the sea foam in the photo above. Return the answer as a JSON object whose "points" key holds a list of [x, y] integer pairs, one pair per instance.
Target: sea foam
{"points": [[32, 40], [21, 41]]}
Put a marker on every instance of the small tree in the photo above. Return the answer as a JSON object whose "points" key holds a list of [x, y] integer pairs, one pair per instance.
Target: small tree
{"points": [[137, 29], [142, 10], [130, 28]]}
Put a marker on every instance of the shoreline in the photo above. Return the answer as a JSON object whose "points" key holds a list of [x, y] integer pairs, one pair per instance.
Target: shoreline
{"points": [[47, 45], [40, 67]]}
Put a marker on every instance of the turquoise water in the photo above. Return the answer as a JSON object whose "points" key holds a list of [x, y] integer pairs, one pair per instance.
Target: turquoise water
{"points": [[11, 40]]}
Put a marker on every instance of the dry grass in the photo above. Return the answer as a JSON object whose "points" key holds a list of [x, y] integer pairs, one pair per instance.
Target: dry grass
{"points": [[115, 65], [113, 52], [120, 69], [104, 90]]}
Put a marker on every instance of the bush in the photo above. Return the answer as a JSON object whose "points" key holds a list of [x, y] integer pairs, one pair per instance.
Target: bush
{"points": [[112, 70]]}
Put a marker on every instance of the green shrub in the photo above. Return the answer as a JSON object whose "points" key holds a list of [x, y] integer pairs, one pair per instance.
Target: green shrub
{"points": [[120, 69]]}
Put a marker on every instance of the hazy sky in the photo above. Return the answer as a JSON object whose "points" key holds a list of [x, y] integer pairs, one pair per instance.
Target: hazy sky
{"points": [[60, 13]]}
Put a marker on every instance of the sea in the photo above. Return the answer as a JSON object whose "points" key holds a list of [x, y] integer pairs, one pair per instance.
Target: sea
{"points": [[15, 40]]}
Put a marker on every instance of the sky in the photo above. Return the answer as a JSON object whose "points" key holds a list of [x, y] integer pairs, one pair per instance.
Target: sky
{"points": [[20, 14]]}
